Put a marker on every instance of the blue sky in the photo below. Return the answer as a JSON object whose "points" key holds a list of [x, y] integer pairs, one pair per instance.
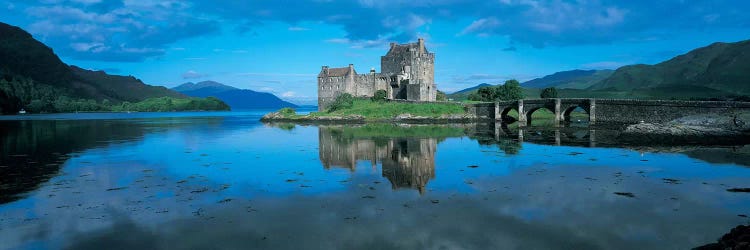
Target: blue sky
{"points": [[279, 46]]}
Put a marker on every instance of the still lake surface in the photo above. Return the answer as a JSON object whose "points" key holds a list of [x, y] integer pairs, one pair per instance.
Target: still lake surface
{"points": [[225, 180]]}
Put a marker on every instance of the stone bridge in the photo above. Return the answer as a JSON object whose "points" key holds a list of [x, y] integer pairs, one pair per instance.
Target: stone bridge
{"points": [[606, 110]]}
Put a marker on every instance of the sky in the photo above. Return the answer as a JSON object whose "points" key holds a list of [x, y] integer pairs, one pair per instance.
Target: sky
{"points": [[279, 46]]}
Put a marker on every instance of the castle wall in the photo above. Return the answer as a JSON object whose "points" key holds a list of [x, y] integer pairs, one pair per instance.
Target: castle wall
{"points": [[367, 84], [331, 87]]}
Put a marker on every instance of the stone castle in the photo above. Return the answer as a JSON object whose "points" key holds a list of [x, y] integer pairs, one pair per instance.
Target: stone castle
{"points": [[408, 73]]}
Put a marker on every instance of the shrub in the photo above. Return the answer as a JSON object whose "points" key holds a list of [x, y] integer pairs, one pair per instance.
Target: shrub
{"points": [[343, 101], [550, 92], [441, 96], [379, 96], [287, 111]]}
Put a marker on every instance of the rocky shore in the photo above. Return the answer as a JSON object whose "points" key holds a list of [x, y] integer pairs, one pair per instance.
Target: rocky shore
{"points": [[738, 238], [700, 129]]}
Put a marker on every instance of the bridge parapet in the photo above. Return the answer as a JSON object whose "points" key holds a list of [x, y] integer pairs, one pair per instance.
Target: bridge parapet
{"points": [[606, 110]]}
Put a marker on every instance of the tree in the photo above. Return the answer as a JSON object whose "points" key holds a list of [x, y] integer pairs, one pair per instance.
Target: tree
{"points": [[550, 92], [484, 94], [510, 91], [379, 96]]}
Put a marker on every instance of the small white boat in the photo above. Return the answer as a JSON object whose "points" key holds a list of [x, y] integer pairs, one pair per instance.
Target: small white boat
{"points": [[22, 111]]}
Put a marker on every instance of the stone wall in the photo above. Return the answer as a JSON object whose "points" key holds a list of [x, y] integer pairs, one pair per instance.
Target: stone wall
{"points": [[482, 110], [413, 92], [657, 111], [331, 87]]}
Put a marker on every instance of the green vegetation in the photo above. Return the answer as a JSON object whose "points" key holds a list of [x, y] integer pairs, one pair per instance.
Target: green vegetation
{"points": [[287, 111], [375, 110], [550, 92], [441, 96], [343, 101], [379, 96], [162, 104], [511, 90], [378, 110]]}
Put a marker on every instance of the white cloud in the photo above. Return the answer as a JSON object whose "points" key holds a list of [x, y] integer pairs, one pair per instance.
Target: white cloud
{"points": [[296, 28], [190, 74], [288, 94], [604, 65]]}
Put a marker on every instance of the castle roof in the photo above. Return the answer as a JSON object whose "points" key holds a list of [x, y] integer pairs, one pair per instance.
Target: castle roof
{"points": [[336, 71], [404, 48]]}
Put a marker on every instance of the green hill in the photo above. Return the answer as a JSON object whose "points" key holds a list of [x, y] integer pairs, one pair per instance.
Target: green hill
{"points": [[572, 79], [32, 77], [720, 68], [464, 93]]}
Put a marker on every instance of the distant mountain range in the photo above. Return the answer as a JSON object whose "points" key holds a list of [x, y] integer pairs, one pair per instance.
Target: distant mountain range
{"points": [[719, 70], [234, 97], [573, 79], [32, 75]]}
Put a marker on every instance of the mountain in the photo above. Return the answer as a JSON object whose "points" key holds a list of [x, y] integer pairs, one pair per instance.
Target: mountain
{"points": [[234, 97], [719, 68], [33, 77], [100, 85], [204, 84], [573, 79], [464, 93]]}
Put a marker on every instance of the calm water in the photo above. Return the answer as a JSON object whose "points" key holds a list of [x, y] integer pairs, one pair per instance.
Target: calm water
{"points": [[225, 180]]}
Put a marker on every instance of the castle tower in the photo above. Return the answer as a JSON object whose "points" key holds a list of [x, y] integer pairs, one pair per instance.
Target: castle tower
{"points": [[412, 70]]}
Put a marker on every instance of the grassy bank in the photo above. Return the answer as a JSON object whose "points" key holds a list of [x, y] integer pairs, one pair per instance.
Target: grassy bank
{"points": [[374, 110], [382, 109]]}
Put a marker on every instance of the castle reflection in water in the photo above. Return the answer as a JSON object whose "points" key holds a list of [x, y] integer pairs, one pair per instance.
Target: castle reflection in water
{"points": [[406, 162], [406, 153]]}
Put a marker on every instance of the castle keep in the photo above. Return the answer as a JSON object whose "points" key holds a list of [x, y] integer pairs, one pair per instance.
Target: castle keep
{"points": [[408, 73]]}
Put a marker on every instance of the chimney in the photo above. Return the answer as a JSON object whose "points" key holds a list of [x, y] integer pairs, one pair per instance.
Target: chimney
{"points": [[372, 70], [421, 45], [325, 70], [393, 45]]}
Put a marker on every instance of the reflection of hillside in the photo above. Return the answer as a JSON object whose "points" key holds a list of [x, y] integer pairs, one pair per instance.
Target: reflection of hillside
{"points": [[32, 152], [407, 155]]}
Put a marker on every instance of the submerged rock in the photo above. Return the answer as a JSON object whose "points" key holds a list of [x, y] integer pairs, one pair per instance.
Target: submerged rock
{"points": [[739, 190], [738, 238]]}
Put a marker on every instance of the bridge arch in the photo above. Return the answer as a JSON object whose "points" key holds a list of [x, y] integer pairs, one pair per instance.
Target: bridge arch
{"points": [[568, 110], [530, 112], [505, 110]]}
